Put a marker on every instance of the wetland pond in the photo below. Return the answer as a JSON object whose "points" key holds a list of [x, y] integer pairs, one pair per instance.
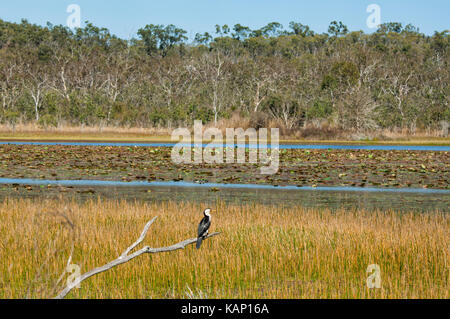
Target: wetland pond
{"points": [[419, 200], [403, 178]]}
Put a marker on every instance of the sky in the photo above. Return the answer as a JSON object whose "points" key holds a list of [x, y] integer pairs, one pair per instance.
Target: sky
{"points": [[124, 18]]}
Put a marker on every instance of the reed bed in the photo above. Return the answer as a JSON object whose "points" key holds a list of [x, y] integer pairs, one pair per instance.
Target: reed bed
{"points": [[319, 134], [262, 251]]}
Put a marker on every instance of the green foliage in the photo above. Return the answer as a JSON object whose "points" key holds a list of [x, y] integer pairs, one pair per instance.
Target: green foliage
{"points": [[441, 41], [389, 27], [341, 74], [47, 120], [222, 30], [273, 29], [240, 32], [300, 29], [11, 117], [44, 53], [337, 28], [321, 109], [203, 38], [159, 38]]}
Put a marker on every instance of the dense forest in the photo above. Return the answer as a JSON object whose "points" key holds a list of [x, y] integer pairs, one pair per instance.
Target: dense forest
{"points": [[395, 78]]}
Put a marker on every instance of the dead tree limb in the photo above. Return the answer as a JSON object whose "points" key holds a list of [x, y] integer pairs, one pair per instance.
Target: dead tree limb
{"points": [[126, 257]]}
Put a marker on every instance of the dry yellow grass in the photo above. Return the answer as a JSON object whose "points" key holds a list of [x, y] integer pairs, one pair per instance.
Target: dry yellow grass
{"points": [[32, 132], [86, 133], [262, 252]]}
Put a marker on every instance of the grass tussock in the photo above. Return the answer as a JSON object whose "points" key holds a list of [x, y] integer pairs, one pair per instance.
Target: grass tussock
{"points": [[263, 251]]}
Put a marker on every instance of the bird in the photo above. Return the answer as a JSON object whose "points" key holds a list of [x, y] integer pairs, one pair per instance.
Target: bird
{"points": [[203, 226]]}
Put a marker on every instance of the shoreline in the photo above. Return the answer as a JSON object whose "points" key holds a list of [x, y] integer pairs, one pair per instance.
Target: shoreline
{"points": [[75, 138], [214, 186], [251, 145]]}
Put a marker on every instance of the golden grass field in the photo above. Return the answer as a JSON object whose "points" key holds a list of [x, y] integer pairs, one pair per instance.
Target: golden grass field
{"points": [[32, 132], [262, 251]]}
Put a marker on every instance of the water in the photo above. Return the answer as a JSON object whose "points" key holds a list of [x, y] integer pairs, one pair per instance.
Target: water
{"points": [[96, 183], [401, 199], [281, 146], [418, 200]]}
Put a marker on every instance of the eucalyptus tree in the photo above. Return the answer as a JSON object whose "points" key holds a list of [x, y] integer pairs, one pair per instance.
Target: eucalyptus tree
{"points": [[160, 38]]}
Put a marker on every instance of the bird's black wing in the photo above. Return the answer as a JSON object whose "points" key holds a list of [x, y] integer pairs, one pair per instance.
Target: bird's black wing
{"points": [[203, 226]]}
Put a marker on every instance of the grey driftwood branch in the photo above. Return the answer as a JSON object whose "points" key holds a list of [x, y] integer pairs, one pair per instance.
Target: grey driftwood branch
{"points": [[126, 257]]}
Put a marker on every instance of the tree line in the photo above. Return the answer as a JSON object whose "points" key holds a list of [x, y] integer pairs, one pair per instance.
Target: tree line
{"points": [[394, 78]]}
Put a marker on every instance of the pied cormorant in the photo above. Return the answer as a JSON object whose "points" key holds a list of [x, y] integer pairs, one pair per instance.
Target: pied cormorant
{"points": [[203, 227]]}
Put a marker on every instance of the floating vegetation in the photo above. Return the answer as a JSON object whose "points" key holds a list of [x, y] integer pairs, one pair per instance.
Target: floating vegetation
{"points": [[381, 168]]}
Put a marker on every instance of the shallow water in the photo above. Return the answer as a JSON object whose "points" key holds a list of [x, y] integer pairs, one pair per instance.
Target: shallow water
{"points": [[94, 183], [419, 200], [401, 199], [281, 146]]}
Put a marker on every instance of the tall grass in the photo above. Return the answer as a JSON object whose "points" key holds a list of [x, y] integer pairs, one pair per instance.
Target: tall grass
{"points": [[263, 251], [324, 132]]}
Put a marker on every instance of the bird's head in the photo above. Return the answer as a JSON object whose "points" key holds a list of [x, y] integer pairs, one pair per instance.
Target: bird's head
{"points": [[207, 212]]}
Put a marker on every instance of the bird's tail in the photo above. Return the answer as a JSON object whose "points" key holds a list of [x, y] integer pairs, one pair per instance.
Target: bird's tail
{"points": [[199, 242]]}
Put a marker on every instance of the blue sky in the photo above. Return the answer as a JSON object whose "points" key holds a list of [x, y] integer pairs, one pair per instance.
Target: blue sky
{"points": [[125, 17]]}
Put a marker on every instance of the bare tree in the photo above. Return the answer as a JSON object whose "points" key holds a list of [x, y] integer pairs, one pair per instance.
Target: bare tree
{"points": [[126, 257], [356, 111], [9, 86], [210, 70], [399, 90], [119, 75], [173, 82], [62, 71], [36, 86]]}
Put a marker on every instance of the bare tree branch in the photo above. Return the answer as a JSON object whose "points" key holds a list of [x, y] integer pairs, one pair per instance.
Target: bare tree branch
{"points": [[140, 239], [125, 257]]}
